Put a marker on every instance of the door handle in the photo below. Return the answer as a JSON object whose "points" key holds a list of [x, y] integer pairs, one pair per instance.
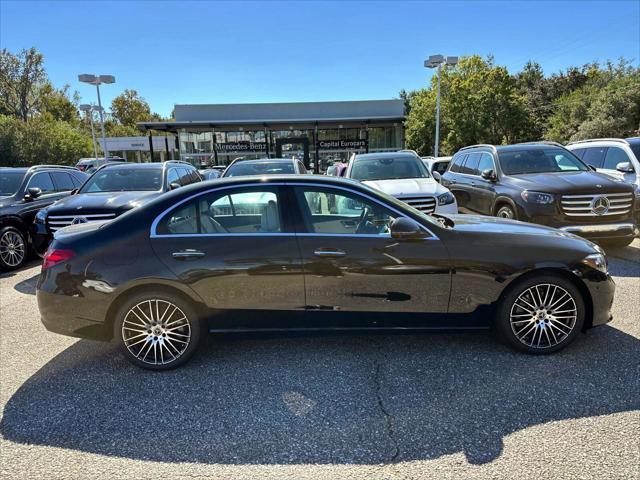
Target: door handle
{"points": [[329, 252], [186, 254]]}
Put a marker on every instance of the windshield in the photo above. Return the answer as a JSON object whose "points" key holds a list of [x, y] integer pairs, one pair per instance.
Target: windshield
{"points": [[124, 179], [10, 182], [262, 168], [540, 160], [388, 168]]}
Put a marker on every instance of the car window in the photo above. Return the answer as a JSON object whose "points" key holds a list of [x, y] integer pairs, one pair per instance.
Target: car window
{"points": [[247, 210], [539, 160], [440, 167], [594, 156], [470, 165], [124, 179], [248, 167], [388, 168], [194, 176], [613, 157], [78, 179], [302, 168], [42, 181], [456, 163], [332, 211], [62, 181], [185, 179], [579, 152], [485, 163], [10, 182], [172, 176]]}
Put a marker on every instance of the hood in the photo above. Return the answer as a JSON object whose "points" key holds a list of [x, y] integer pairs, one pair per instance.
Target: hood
{"points": [[567, 183], [407, 186], [101, 202]]}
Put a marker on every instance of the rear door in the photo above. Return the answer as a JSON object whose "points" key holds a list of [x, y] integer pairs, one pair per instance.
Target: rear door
{"points": [[236, 248]]}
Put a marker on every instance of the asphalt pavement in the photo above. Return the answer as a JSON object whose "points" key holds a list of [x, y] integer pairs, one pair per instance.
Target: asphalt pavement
{"points": [[298, 407]]}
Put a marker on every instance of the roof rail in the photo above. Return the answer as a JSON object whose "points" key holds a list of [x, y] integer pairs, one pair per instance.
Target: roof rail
{"points": [[492, 147], [619, 140], [178, 161], [544, 142], [63, 167]]}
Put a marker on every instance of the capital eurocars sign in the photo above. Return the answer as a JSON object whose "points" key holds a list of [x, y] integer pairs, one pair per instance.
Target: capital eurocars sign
{"points": [[342, 144]]}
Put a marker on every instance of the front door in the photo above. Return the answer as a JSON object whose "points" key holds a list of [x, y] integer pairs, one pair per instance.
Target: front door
{"points": [[356, 275], [294, 147], [236, 249]]}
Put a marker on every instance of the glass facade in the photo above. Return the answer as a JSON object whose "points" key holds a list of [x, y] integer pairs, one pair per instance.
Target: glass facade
{"points": [[197, 146]]}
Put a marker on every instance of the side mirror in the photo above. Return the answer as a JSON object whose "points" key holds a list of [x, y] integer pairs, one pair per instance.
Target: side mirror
{"points": [[489, 174], [32, 193], [404, 228], [437, 176], [174, 185], [625, 167]]}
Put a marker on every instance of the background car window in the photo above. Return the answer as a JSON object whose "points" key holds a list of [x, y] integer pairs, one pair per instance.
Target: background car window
{"points": [[10, 182], [388, 168], [243, 168], [470, 165], [594, 156], [42, 181], [485, 163], [302, 168], [185, 179], [456, 163], [539, 160], [579, 152], [194, 176], [62, 181], [172, 176], [329, 211], [440, 167], [78, 179], [245, 211], [613, 157], [124, 179]]}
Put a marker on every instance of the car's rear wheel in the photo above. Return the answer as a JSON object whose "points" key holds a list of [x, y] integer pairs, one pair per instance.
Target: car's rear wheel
{"points": [[13, 248], [158, 331], [506, 211], [542, 314]]}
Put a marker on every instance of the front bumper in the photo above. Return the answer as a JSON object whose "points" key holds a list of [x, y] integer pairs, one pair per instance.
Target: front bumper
{"points": [[601, 288], [607, 230]]}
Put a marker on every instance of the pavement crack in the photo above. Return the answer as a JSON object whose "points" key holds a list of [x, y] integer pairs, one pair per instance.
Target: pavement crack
{"points": [[388, 416]]}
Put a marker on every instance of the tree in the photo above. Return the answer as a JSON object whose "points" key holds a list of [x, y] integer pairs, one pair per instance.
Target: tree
{"points": [[129, 108], [22, 77], [58, 105]]}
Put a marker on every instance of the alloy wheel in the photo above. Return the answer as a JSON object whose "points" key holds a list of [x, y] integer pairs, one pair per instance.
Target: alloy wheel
{"points": [[156, 332], [12, 248], [543, 316]]}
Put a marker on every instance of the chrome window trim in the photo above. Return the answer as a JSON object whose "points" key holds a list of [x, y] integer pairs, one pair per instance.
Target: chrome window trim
{"points": [[154, 225]]}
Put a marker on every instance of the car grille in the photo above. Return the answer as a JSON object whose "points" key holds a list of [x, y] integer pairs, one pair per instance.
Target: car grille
{"points": [[56, 222], [597, 205], [424, 204]]}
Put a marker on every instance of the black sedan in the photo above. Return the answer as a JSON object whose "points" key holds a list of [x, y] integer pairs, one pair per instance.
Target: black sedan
{"points": [[313, 253]]}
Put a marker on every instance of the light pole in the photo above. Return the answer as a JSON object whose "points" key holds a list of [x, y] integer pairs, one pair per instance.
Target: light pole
{"points": [[97, 80], [437, 61], [88, 110]]}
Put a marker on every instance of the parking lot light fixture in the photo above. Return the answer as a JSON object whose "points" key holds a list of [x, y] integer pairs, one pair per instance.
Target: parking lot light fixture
{"points": [[97, 80], [437, 61]]}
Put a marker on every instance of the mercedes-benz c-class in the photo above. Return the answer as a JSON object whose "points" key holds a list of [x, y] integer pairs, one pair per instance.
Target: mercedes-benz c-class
{"points": [[309, 253]]}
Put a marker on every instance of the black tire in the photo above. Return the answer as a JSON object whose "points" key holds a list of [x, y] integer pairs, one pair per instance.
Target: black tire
{"points": [[506, 211], [165, 338], [513, 334], [616, 242], [14, 248]]}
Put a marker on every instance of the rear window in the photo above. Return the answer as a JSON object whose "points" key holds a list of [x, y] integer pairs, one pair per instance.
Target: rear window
{"points": [[123, 179], [259, 168]]}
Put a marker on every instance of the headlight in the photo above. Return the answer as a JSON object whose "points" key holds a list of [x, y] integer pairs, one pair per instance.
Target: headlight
{"points": [[537, 197], [446, 198], [41, 216], [597, 261]]}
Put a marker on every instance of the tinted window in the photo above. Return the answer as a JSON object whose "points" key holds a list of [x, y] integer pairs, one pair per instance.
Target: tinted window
{"points": [[635, 148], [62, 181], [41, 181], [10, 182], [539, 160], [243, 168], [388, 168], [440, 167], [172, 176], [185, 178], [594, 156], [122, 179], [242, 211], [193, 175], [613, 157], [337, 212], [456, 163], [470, 166], [579, 152], [78, 179], [485, 163]]}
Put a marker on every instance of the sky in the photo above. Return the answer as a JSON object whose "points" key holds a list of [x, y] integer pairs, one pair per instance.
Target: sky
{"points": [[180, 52]]}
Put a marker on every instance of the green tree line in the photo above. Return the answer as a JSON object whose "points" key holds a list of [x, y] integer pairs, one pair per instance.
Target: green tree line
{"points": [[41, 124], [482, 102]]}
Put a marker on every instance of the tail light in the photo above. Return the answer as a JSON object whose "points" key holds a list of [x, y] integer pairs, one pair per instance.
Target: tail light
{"points": [[55, 256]]}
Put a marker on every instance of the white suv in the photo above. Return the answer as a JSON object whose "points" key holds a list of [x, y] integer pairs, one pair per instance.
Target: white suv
{"points": [[616, 157], [404, 176]]}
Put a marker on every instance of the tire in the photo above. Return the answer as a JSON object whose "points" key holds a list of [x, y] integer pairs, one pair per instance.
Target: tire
{"points": [[616, 242], [153, 334], [525, 325], [14, 248], [506, 211]]}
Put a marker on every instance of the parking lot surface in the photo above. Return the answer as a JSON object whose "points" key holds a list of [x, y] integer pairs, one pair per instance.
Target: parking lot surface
{"points": [[356, 406]]}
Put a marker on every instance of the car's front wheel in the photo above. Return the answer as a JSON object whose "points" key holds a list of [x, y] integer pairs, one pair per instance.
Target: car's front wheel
{"points": [[542, 314], [158, 331], [506, 211], [13, 248]]}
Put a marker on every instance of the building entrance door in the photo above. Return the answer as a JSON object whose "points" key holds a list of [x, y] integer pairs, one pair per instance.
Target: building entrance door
{"points": [[294, 147]]}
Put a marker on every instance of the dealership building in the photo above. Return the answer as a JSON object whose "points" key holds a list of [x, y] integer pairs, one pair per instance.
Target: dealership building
{"points": [[319, 133]]}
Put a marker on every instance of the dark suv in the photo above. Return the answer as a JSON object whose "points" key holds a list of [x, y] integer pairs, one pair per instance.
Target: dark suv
{"points": [[543, 183], [24, 191], [112, 190]]}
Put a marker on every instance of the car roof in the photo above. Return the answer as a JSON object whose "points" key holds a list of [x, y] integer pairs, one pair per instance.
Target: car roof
{"points": [[365, 156]]}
